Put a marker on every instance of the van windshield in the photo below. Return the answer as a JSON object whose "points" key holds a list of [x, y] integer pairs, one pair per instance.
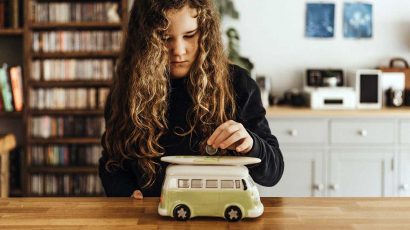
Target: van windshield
{"points": [[245, 187]]}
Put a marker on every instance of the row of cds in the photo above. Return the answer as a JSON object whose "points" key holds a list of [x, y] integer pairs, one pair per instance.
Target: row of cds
{"points": [[71, 98], [64, 155], [68, 126], [65, 184], [72, 69], [75, 41]]}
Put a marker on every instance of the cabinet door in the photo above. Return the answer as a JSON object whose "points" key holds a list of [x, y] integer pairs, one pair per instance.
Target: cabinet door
{"points": [[361, 172], [404, 172], [302, 177]]}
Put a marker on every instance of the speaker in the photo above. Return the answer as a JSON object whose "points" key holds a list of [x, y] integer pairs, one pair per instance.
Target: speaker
{"points": [[369, 89]]}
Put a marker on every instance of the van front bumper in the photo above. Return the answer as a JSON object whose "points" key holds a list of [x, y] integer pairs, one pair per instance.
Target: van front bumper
{"points": [[256, 211], [162, 211]]}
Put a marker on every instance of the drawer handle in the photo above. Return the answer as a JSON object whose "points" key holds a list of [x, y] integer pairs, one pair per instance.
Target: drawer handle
{"points": [[293, 132], [318, 187], [363, 133], [334, 187], [404, 187]]}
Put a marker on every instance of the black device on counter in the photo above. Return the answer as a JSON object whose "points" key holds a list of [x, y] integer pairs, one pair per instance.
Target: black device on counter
{"points": [[324, 78]]}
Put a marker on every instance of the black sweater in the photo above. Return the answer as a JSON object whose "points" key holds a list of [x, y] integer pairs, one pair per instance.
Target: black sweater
{"points": [[250, 112]]}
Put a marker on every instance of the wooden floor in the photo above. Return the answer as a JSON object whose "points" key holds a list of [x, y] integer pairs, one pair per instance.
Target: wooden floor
{"points": [[280, 213]]}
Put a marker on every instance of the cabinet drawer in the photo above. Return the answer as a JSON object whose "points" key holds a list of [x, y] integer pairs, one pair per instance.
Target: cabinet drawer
{"points": [[299, 131], [362, 132], [405, 132]]}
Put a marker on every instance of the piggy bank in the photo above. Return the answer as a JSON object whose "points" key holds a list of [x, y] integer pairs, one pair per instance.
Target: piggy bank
{"points": [[212, 186]]}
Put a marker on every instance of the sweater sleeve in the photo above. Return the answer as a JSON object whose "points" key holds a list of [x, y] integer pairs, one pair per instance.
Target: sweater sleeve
{"points": [[265, 145], [119, 182]]}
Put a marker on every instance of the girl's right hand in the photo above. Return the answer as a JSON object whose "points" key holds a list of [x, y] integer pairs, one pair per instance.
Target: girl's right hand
{"points": [[137, 194]]}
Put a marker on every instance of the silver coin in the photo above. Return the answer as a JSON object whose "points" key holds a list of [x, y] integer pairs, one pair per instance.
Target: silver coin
{"points": [[211, 150]]}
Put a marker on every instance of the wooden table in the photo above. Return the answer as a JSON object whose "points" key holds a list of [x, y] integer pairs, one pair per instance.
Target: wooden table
{"points": [[280, 213]]}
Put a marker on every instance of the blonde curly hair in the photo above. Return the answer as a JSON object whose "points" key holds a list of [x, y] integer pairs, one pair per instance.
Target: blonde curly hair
{"points": [[138, 100]]}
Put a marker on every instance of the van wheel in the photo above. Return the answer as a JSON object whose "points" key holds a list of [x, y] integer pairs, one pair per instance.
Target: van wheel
{"points": [[233, 213], [181, 212]]}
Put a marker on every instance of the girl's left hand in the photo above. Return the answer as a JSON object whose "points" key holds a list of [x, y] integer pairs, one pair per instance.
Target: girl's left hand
{"points": [[233, 136]]}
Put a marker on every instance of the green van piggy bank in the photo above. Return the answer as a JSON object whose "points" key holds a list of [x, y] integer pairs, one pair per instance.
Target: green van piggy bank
{"points": [[209, 186]]}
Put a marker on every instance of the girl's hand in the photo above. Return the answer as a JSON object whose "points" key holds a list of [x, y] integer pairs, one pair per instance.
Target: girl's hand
{"points": [[233, 136], [137, 194]]}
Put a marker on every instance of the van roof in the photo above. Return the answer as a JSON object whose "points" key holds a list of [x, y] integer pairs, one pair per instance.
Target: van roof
{"points": [[211, 160], [207, 170]]}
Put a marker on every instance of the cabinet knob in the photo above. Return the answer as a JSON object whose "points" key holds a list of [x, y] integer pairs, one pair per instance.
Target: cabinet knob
{"points": [[293, 132], [363, 133], [318, 187], [334, 186], [405, 187]]}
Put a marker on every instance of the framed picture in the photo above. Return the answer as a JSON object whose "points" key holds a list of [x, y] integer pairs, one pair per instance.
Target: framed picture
{"points": [[320, 20]]}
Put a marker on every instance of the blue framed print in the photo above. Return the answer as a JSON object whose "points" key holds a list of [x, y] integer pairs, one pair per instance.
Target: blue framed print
{"points": [[320, 20], [358, 20]]}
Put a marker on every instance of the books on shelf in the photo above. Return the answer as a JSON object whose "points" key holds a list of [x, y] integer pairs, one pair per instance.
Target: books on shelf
{"points": [[76, 41], [63, 98], [16, 80], [9, 14], [65, 184], [64, 155], [74, 11], [66, 126], [72, 69], [11, 89]]}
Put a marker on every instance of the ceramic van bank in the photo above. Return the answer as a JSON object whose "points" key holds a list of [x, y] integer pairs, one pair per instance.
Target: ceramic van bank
{"points": [[209, 186]]}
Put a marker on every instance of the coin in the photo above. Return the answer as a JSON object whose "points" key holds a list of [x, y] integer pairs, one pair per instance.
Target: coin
{"points": [[211, 150]]}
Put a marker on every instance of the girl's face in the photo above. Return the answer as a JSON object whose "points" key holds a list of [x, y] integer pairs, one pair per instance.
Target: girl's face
{"points": [[182, 40]]}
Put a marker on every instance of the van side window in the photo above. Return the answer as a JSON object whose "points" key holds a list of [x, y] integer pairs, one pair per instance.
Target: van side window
{"points": [[183, 183], [237, 183], [226, 183], [196, 183], [211, 183]]}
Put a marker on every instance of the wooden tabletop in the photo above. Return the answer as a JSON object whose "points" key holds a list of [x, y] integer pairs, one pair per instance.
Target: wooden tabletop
{"points": [[280, 213]]}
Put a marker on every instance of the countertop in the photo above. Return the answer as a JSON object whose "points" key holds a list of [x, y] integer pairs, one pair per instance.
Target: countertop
{"points": [[280, 213], [288, 111]]}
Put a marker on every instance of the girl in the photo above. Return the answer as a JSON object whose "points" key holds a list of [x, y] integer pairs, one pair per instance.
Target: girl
{"points": [[174, 93]]}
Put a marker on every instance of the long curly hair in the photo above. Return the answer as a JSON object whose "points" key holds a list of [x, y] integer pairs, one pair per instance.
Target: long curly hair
{"points": [[138, 100]]}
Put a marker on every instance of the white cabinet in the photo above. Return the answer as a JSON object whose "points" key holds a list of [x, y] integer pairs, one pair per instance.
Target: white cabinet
{"points": [[404, 173], [303, 177], [358, 173], [338, 155]]}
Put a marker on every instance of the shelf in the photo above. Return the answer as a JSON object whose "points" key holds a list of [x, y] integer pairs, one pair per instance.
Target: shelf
{"points": [[91, 54], [75, 25], [64, 169], [66, 140], [11, 32], [67, 112], [70, 83], [10, 114]]}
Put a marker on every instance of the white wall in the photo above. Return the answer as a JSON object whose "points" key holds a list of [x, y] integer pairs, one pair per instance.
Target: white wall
{"points": [[272, 36]]}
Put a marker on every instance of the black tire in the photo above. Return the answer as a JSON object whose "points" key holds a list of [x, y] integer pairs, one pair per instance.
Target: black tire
{"points": [[181, 212], [233, 214]]}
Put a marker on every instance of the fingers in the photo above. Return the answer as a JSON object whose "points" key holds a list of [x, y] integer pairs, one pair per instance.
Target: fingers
{"points": [[231, 135], [223, 132], [235, 137], [218, 131], [246, 146], [137, 194]]}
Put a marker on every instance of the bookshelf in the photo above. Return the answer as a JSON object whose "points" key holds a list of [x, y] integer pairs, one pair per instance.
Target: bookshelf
{"points": [[69, 65], [11, 53]]}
